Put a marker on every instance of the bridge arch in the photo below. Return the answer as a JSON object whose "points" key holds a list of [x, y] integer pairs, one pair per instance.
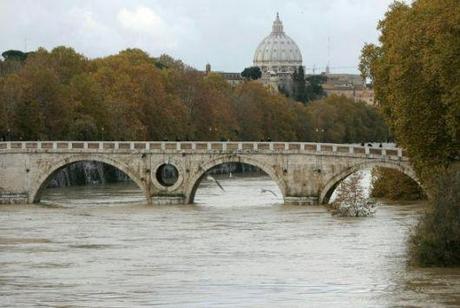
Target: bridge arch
{"points": [[45, 176], [198, 176], [336, 179]]}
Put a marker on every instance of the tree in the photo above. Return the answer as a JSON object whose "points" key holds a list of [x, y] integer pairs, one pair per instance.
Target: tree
{"points": [[314, 89], [351, 200], [415, 73], [263, 114], [135, 99], [341, 120], [299, 85], [14, 55], [11, 94], [61, 94], [165, 61], [436, 240], [251, 73], [307, 89], [13, 61]]}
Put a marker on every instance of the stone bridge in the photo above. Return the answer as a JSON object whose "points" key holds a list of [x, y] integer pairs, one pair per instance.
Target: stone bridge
{"points": [[306, 173]]}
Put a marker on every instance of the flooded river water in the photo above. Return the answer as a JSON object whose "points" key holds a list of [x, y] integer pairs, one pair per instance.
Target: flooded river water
{"points": [[236, 248]]}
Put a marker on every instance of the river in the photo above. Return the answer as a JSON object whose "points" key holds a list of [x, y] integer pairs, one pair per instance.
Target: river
{"points": [[100, 246]]}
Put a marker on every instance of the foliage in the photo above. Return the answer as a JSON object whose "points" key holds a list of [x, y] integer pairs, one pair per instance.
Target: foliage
{"points": [[339, 119], [165, 61], [415, 73], [436, 240], [251, 73], [351, 200], [314, 89], [60, 94], [394, 185], [306, 89], [15, 55], [299, 86]]}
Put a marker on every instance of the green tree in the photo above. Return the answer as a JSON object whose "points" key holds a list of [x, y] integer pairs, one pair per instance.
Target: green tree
{"points": [[306, 88], [299, 86], [251, 73], [314, 89], [436, 240], [14, 55]]}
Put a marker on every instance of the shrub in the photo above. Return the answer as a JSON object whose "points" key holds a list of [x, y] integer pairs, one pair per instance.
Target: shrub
{"points": [[436, 240]]}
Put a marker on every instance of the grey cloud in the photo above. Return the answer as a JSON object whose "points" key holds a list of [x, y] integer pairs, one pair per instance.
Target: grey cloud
{"points": [[224, 33]]}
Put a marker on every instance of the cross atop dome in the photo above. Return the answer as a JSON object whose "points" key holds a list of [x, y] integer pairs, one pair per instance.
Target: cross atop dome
{"points": [[277, 24]]}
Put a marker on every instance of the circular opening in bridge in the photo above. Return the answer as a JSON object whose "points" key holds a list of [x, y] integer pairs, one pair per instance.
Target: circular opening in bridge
{"points": [[167, 175], [234, 185]]}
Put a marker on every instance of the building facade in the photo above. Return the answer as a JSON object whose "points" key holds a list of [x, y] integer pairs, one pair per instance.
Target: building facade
{"points": [[352, 86]]}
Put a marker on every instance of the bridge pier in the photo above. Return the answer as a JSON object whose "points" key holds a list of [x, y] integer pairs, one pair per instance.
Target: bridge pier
{"points": [[13, 198], [168, 200], [312, 200]]}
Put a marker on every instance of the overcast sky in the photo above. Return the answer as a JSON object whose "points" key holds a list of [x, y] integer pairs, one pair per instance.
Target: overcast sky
{"points": [[224, 33]]}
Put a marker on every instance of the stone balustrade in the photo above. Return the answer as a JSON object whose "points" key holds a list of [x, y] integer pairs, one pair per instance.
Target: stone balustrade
{"points": [[201, 147]]}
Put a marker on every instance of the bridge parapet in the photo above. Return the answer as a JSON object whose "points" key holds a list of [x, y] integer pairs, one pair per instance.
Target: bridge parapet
{"points": [[204, 147]]}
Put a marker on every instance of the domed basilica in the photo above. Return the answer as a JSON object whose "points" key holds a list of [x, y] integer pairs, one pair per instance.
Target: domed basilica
{"points": [[278, 54], [278, 57]]}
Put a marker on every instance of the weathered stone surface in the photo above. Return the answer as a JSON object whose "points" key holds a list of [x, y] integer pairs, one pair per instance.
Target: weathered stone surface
{"points": [[13, 198], [306, 173]]}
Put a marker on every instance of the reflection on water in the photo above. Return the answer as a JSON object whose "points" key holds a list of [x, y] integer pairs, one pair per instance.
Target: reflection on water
{"points": [[240, 247], [93, 195]]}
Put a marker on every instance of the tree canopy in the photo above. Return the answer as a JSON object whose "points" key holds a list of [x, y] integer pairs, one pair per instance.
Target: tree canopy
{"points": [[314, 89], [252, 73], [14, 55], [341, 120], [61, 94], [307, 89], [415, 71]]}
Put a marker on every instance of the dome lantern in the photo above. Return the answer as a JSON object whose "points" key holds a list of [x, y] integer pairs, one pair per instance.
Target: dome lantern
{"points": [[277, 25]]}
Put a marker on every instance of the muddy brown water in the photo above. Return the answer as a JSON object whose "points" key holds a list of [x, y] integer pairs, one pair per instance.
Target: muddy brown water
{"points": [[100, 246]]}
